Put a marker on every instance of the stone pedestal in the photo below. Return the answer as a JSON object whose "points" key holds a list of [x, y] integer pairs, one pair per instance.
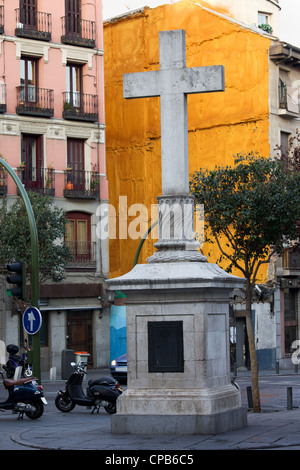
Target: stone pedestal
{"points": [[186, 388]]}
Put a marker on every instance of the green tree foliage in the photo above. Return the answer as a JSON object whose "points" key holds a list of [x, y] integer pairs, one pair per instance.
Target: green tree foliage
{"points": [[251, 209], [15, 242]]}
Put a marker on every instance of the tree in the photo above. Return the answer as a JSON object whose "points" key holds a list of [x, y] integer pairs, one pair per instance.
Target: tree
{"points": [[250, 209], [15, 235]]}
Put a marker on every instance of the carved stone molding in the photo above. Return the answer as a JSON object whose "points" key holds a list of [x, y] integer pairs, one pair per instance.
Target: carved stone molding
{"points": [[177, 240], [169, 256]]}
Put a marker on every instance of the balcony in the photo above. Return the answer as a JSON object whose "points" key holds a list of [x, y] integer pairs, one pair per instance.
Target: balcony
{"points": [[83, 255], [3, 181], [78, 32], [33, 24], [2, 98], [1, 19], [80, 106], [32, 101], [38, 180], [81, 184]]}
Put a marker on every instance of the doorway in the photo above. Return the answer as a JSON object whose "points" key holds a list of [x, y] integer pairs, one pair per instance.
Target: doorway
{"points": [[242, 357], [80, 332]]}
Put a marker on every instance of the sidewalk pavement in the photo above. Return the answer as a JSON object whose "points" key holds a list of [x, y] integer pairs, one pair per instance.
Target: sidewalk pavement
{"points": [[78, 430]]}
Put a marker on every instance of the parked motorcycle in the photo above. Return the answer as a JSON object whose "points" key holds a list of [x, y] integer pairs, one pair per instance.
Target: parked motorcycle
{"points": [[100, 392], [15, 360], [24, 396]]}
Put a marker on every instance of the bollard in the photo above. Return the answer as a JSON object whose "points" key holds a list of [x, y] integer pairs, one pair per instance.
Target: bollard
{"points": [[53, 373], [250, 398], [296, 368], [289, 398], [277, 367]]}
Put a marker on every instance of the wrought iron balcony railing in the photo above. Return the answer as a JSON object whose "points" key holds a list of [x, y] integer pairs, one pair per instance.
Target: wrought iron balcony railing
{"points": [[81, 184], [34, 101], [33, 24], [83, 253], [80, 106], [38, 180], [2, 98], [78, 32]]}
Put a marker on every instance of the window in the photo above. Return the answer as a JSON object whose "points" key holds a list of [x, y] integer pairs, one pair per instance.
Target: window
{"points": [[264, 22], [77, 31], [284, 143], [29, 79], [73, 17], [263, 18], [78, 235], [32, 158], [75, 155], [77, 105], [74, 84], [28, 13]]}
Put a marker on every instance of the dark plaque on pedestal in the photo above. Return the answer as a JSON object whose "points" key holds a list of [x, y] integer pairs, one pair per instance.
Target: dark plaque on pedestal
{"points": [[165, 346]]}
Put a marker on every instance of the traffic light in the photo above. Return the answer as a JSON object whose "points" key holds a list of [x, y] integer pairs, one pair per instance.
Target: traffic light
{"points": [[19, 279]]}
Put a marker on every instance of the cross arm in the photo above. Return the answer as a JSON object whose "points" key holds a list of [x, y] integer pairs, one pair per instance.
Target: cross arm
{"points": [[204, 79], [140, 85]]}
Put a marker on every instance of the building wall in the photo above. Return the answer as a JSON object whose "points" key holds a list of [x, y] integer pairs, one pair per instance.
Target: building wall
{"points": [[239, 9], [53, 56], [282, 123], [220, 124]]}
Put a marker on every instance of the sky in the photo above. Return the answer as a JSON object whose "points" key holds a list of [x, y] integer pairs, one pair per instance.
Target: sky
{"points": [[289, 15]]}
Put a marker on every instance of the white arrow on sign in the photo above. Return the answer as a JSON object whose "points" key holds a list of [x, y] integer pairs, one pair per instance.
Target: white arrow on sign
{"points": [[31, 319]]}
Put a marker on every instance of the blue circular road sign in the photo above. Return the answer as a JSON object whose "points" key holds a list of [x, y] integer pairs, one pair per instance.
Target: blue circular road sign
{"points": [[32, 320]]}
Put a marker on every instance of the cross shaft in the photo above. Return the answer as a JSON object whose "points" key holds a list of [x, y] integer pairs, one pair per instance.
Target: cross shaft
{"points": [[173, 82]]}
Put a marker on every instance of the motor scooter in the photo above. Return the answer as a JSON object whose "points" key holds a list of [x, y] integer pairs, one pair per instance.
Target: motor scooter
{"points": [[100, 392], [15, 360], [24, 396]]}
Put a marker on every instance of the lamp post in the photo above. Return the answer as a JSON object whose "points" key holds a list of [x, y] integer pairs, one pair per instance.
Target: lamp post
{"points": [[34, 264]]}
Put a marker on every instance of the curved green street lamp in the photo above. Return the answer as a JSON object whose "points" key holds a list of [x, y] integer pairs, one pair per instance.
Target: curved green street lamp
{"points": [[34, 265]]}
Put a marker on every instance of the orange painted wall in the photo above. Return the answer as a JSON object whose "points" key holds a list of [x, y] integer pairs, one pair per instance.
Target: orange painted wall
{"points": [[220, 124]]}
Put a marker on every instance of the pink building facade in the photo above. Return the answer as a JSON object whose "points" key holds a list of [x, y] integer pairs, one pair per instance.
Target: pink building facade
{"points": [[52, 132]]}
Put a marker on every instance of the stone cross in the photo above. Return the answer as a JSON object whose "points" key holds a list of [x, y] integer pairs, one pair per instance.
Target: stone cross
{"points": [[173, 82]]}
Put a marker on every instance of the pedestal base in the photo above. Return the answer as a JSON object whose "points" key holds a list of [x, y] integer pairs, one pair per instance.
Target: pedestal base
{"points": [[177, 316], [195, 411], [180, 425]]}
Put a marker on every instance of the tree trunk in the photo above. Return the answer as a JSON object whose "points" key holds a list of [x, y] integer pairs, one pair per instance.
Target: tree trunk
{"points": [[253, 358]]}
